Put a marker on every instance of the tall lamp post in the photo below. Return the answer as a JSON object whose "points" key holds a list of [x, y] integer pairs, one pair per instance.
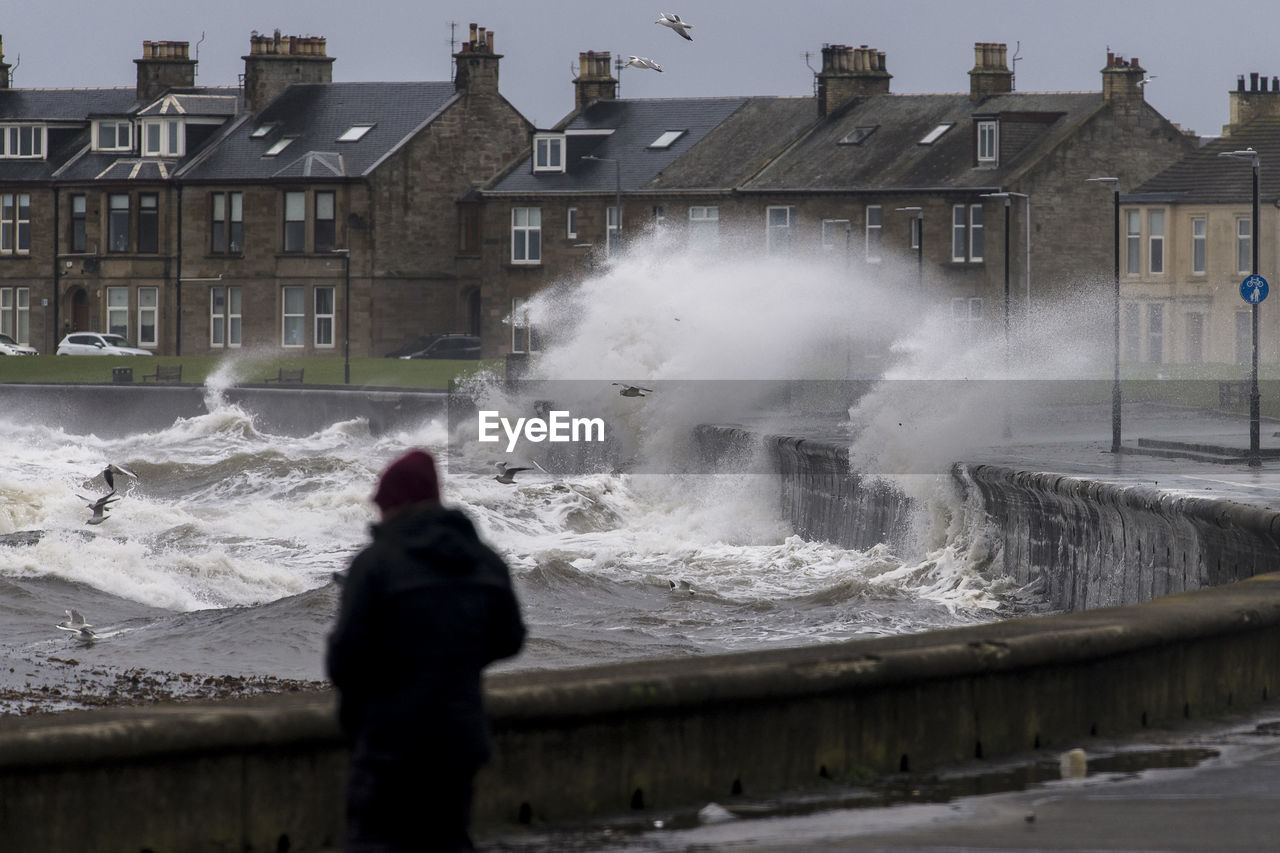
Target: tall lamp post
{"points": [[917, 233], [617, 193], [1255, 400], [346, 314], [1115, 383]]}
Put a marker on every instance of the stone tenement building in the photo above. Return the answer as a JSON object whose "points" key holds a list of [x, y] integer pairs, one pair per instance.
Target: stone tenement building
{"points": [[206, 219], [828, 176]]}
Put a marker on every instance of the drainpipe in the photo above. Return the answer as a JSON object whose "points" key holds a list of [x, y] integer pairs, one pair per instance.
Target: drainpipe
{"points": [[57, 299], [177, 279]]}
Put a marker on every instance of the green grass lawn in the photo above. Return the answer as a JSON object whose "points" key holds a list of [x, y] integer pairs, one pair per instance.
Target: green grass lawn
{"points": [[428, 374]]}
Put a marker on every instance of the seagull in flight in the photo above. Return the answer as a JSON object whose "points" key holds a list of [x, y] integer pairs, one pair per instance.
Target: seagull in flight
{"points": [[642, 62], [1147, 79], [507, 474], [632, 390], [109, 474], [679, 27], [76, 624], [99, 507]]}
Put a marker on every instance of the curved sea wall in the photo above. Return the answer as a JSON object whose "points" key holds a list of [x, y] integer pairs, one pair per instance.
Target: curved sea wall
{"points": [[653, 736]]}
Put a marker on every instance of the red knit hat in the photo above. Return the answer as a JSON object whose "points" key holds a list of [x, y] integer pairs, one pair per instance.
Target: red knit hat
{"points": [[409, 480]]}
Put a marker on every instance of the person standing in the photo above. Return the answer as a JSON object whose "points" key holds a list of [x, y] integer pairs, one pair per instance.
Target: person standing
{"points": [[425, 607]]}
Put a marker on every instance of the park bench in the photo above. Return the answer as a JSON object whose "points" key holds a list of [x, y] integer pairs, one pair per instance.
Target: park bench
{"points": [[165, 373], [287, 377]]}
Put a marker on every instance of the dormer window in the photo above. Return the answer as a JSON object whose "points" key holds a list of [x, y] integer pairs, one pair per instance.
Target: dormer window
{"points": [[162, 137], [988, 142], [548, 152], [113, 135], [22, 140]]}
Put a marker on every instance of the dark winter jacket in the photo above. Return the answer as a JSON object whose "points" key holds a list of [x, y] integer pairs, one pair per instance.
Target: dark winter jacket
{"points": [[425, 608]]}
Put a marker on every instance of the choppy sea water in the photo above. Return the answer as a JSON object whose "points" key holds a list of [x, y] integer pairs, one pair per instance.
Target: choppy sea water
{"points": [[217, 567]]}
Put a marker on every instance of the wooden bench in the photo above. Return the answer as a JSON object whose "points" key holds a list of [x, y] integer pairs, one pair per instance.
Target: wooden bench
{"points": [[287, 377], [1234, 395], [165, 373]]}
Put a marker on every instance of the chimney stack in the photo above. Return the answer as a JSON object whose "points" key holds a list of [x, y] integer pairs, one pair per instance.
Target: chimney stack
{"points": [[164, 65], [848, 73], [1259, 101], [595, 80], [1122, 84], [275, 63], [476, 65], [5, 79], [990, 74]]}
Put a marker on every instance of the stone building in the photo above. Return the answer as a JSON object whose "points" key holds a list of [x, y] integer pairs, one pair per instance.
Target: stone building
{"points": [[290, 215], [831, 173], [1187, 244]]}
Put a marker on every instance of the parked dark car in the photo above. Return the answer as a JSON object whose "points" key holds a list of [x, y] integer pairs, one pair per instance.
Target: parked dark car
{"points": [[418, 344], [449, 346]]}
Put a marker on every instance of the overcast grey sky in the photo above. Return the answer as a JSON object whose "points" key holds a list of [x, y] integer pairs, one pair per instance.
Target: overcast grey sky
{"points": [[740, 47]]}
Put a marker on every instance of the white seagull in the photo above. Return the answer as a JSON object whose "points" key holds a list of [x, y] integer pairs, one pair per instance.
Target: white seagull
{"points": [[99, 507], [507, 474], [111, 470], [632, 390], [76, 624], [679, 27], [642, 62]]}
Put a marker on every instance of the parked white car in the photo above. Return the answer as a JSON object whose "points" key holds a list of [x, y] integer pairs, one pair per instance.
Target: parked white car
{"points": [[98, 343], [8, 346]]}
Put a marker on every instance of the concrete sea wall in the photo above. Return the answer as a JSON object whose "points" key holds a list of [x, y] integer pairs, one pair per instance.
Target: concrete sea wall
{"points": [[267, 775]]}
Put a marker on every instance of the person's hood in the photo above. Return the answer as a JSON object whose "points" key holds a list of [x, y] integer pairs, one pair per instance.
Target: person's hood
{"points": [[444, 538]]}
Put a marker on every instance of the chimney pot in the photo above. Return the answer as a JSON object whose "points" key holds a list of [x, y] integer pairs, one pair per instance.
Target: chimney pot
{"points": [[1253, 81]]}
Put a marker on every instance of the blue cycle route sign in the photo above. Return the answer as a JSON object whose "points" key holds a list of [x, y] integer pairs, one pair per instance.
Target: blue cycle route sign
{"points": [[1254, 289]]}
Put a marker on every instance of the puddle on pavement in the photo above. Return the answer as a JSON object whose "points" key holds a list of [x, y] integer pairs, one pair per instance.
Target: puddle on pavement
{"points": [[893, 790]]}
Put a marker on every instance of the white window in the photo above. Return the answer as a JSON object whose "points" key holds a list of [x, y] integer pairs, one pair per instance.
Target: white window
{"points": [[977, 242], [15, 223], [835, 234], [1133, 242], [666, 139], [278, 146], [917, 224], [523, 336], [1244, 245], [571, 223], [548, 153], [295, 221], [22, 140], [148, 316], [966, 317], [355, 133], [324, 316], [262, 130], [1199, 246], [15, 313], [988, 143], [224, 317], [935, 134], [1155, 225], [114, 135], [875, 225], [162, 137], [526, 235], [704, 226], [612, 230], [118, 311], [959, 233], [779, 228], [659, 216], [293, 317]]}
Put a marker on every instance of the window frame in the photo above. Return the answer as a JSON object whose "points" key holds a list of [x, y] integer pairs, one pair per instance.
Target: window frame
{"points": [[14, 138], [704, 226], [1244, 245], [1155, 241], [226, 326], [977, 234], [148, 224], [115, 124], [293, 323], [526, 236], [988, 142], [1133, 241], [294, 222], [1199, 245], [612, 227], [829, 232], [78, 223], [119, 222], [548, 154], [571, 223], [226, 227], [324, 321], [116, 305], [324, 228], [874, 232], [15, 223], [169, 141], [959, 233], [15, 313], [148, 312], [779, 238]]}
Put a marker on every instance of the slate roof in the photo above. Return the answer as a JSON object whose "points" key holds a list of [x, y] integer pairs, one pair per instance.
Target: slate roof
{"points": [[65, 104], [1203, 177], [316, 114], [626, 129], [891, 156]]}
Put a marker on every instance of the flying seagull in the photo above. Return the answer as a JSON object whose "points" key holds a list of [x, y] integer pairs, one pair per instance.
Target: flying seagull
{"points": [[632, 390], [507, 474], [111, 470], [76, 624], [679, 27], [99, 507], [1147, 79], [642, 62]]}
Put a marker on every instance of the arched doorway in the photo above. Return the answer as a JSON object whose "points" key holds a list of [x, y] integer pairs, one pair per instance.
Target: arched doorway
{"points": [[77, 316]]}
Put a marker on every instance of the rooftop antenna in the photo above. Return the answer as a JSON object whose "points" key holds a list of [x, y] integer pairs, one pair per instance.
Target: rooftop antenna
{"points": [[453, 48], [807, 56], [197, 68], [1017, 51]]}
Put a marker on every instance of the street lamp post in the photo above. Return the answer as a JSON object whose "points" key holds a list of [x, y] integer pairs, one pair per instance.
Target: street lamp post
{"points": [[917, 226], [1115, 383], [1008, 202], [1255, 399], [617, 193], [346, 314]]}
